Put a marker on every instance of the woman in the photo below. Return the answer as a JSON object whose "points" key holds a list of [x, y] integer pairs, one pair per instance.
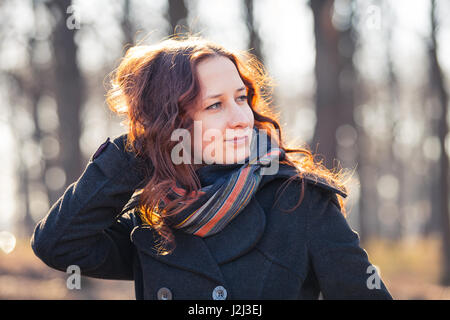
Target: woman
{"points": [[201, 199]]}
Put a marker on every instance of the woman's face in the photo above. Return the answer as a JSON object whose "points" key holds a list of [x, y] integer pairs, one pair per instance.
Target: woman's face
{"points": [[223, 120]]}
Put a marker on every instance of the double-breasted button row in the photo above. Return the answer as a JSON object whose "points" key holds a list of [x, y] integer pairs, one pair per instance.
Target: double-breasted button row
{"points": [[219, 293]]}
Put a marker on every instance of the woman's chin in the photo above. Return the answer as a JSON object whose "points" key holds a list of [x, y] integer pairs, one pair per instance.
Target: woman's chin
{"points": [[237, 158]]}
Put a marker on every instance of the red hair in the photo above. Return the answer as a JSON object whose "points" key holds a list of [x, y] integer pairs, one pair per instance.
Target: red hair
{"points": [[154, 85]]}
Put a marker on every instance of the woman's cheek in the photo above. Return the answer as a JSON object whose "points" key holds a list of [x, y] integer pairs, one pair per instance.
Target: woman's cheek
{"points": [[208, 147], [251, 117]]}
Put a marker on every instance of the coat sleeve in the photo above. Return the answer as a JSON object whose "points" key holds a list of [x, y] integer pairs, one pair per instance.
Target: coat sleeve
{"points": [[85, 226], [341, 266]]}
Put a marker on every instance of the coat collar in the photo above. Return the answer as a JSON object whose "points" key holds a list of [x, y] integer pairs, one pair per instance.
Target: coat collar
{"points": [[286, 171]]}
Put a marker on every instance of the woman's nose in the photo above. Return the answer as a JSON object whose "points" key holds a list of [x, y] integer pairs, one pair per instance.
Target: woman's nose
{"points": [[237, 117]]}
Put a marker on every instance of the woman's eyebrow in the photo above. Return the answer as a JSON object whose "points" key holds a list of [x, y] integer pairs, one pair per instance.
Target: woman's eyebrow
{"points": [[213, 96], [219, 94]]}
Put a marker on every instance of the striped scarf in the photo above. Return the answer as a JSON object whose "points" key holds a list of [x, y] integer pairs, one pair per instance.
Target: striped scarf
{"points": [[226, 191]]}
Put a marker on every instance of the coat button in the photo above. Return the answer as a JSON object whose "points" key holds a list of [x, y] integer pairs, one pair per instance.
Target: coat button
{"points": [[219, 293], [164, 294]]}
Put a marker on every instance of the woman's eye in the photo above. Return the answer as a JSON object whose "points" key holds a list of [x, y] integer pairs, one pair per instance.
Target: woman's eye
{"points": [[211, 107], [243, 98]]}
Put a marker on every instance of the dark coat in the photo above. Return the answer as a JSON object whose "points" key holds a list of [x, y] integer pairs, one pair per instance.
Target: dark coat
{"points": [[263, 253]]}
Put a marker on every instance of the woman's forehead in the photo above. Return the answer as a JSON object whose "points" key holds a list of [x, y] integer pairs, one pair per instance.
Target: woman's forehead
{"points": [[217, 74]]}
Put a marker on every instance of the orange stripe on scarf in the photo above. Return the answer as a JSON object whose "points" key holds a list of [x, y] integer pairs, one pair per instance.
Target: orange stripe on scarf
{"points": [[228, 203]]}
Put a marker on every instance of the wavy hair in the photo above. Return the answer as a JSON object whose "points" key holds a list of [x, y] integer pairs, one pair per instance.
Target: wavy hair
{"points": [[154, 86]]}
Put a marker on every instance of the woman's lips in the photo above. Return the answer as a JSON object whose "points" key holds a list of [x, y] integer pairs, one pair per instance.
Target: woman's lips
{"points": [[238, 141]]}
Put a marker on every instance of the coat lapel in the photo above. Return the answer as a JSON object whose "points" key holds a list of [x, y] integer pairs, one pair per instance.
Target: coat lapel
{"points": [[240, 235], [190, 253]]}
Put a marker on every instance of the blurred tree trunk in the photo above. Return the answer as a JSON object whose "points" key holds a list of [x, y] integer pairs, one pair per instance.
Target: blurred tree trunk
{"points": [[438, 87], [41, 83], [126, 24], [335, 137], [335, 76], [30, 83], [68, 87], [26, 85], [254, 41], [395, 165], [24, 224], [177, 12], [327, 81]]}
